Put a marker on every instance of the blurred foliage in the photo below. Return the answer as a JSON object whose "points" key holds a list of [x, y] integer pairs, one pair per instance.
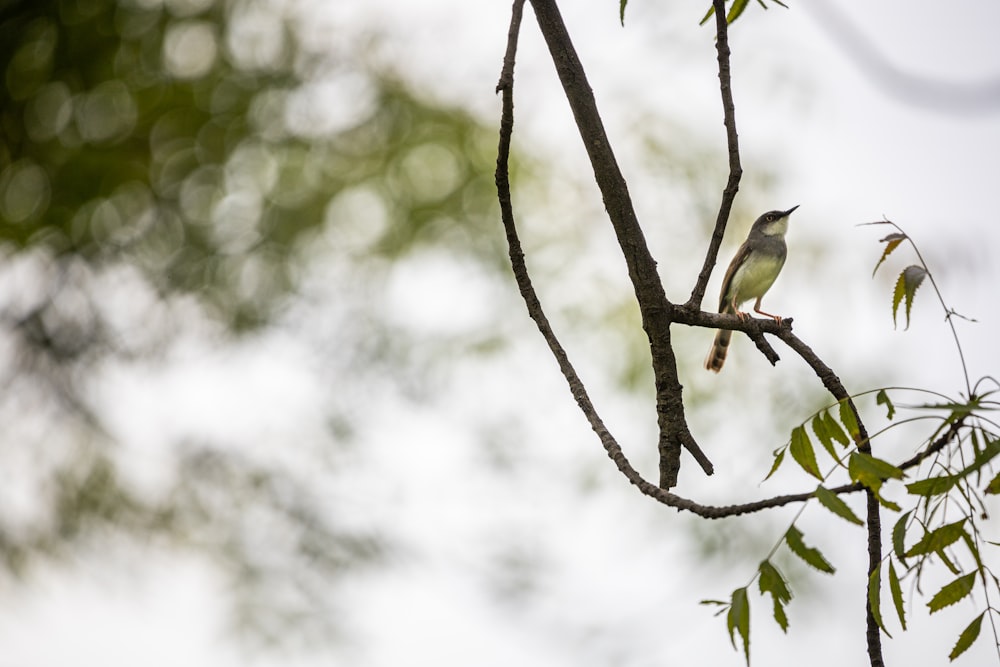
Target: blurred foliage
{"points": [[165, 162], [155, 135]]}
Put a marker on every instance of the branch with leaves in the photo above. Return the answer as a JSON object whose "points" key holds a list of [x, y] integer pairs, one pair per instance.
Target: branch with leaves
{"points": [[844, 427]]}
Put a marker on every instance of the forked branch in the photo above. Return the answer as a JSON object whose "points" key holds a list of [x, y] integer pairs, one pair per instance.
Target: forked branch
{"points": [[658, 313]]}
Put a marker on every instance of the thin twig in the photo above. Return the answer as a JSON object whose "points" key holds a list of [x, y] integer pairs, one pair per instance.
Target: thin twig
{"points": [[732, 141]]}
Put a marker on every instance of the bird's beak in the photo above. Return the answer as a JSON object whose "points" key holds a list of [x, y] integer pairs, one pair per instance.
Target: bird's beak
{"points": [[789, 211]]}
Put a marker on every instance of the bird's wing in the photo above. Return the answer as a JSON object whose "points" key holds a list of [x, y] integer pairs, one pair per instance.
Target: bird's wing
{"points": [[725, 299]]}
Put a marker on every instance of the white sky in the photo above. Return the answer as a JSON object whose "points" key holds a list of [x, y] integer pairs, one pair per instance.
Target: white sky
{"points": [[618, 578]]}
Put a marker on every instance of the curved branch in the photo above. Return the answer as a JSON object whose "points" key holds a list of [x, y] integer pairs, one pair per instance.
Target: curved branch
{"points": [[874, 523]]}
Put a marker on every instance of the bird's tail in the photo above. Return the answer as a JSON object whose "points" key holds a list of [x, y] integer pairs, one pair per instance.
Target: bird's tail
{"points": [[717, 355]]}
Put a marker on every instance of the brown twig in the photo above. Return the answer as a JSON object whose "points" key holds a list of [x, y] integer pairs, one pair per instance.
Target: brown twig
{"points": [[732, 141], [653, 304], [874, 519]]}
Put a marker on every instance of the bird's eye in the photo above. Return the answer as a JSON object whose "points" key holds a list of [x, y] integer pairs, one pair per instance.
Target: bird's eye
{"points": [[770, 217]]}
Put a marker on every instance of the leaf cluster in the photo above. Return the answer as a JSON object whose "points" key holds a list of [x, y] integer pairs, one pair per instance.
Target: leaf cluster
{"points": [[946, 493]]}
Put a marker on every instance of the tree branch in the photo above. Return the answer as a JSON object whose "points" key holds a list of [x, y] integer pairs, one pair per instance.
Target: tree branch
{"points": [[836, 388], [732, 141], [653, 304]]}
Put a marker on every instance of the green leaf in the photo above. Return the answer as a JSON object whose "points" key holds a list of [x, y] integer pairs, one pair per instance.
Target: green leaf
{"points": [[772, 582], [891, 242], [835, 504], [849, 419], [897, 595], [886, 503], [898, 536], [622, 11], [871, 471], [938, 539], [819, 427], [882, 398], [834, 429], [874, 595], [994, 486], [738, 620], [953, 592], [708, 15], [862, 469], [802, 452], [736, 10], [812, 556], [947, 562], [968, 637], [778, 458], [973, 547], [932, 486], [983, 456], [906, 286]]}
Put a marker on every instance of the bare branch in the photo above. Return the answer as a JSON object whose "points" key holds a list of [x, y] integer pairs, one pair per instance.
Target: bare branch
{"points": [[732, 140], [653, 304]]}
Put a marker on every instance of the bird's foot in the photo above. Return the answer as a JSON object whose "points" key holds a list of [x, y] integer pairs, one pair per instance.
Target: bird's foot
{"points": [[777, 318]]}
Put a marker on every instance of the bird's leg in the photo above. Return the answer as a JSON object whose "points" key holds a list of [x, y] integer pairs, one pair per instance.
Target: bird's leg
{"points": [[756, 309], [743, 317]]}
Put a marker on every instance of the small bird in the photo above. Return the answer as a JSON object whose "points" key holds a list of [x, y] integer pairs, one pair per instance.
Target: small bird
{"points": [[751, 273]]}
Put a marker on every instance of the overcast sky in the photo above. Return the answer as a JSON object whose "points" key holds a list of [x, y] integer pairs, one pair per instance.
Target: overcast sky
{"points": [[903, 130]]}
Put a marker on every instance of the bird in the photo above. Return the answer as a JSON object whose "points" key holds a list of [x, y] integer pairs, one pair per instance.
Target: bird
{"points": [[751, 273]]}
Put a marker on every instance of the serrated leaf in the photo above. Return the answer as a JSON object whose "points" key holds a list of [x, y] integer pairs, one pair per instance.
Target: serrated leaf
{"points": [[897, 595], [983, 456], [938, 539], [994, 486], [738, 620], [886, 503], [874, 597], [849, 420], [947, 562], [898, 292], [973, 547], [891, 241], [863, 467], [778, 458], [771, 581], [823, 435], [802, 452], [906, 286], [872, 472], [898, 537], [968, 637], [812, 556], [952, 592], [932, 486], [835, 431], [882, 398], [835, 504]]}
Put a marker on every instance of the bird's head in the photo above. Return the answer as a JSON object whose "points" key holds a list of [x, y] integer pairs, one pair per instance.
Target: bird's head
{"points": [[773, 223]]}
